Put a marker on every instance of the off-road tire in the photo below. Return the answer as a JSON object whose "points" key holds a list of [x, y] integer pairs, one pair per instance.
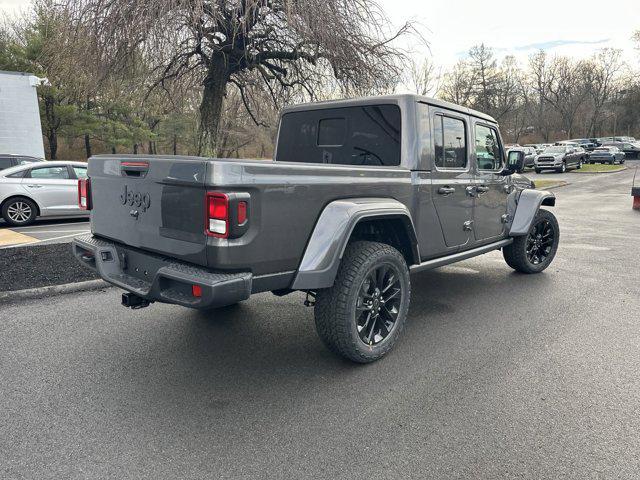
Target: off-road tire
{"points": [[516, 254], [538, 170], [335, 307], [15, 201], [562, 169]]}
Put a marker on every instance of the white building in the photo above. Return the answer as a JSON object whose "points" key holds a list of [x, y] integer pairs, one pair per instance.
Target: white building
{"points": [[20, 129]]}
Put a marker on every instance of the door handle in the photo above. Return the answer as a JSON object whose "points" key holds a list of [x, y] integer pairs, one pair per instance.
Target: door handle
{"points": [[480, 189], [34, 186], [471, 190], [446, 190]]}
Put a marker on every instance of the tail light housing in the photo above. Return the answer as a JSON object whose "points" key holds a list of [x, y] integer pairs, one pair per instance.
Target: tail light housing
{"points": [[217, 221], [227, 214], [84, 193]]}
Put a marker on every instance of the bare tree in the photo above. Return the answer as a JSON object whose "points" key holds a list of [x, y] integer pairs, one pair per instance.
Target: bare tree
{"points": [[540, 78], [485, 76], [285, 44], [566, 90], [457, 85], [423, 77], [603, 82]]}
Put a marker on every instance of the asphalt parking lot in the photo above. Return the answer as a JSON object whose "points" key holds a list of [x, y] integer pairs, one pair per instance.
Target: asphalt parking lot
{"points": [[42, 232], [498, 375]]}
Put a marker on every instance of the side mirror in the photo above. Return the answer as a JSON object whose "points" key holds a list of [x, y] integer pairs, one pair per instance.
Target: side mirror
{"points": [[515, 163]]}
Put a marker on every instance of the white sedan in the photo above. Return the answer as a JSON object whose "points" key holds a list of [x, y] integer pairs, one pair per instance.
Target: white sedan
{"points": [[43, 189]]}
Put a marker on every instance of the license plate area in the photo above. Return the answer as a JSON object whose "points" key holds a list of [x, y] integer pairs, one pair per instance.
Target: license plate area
{"points": [[139, 265]]}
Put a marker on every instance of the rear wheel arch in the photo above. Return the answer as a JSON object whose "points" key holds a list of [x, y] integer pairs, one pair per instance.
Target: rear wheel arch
{"points": [[383, 220], [396, 230]]}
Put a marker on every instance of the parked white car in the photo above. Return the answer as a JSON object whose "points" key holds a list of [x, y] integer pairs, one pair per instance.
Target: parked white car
{"points": [[42, 189]]}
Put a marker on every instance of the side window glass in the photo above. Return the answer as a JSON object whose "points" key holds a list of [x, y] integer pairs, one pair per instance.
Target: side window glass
{"points": [[488, 151], [81, 172], [450, 142], [425, 132], [59, 173], [5, 163]]}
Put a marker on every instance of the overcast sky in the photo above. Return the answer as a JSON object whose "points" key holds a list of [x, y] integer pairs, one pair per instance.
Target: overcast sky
{"points": [[572, 27]]}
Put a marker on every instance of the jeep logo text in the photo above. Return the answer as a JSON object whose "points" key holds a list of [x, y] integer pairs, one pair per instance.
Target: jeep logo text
{"points": [[141, 200]]}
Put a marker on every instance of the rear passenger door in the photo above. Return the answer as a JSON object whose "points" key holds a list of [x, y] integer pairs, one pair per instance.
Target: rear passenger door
{"points": [[452, 177], [491, 188]]}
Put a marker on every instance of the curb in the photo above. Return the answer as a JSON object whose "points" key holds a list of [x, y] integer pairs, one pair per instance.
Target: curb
{"points": [[41, 292], [600, 173], [561, 184]]}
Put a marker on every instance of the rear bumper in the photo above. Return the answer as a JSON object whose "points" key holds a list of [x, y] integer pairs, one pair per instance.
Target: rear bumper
{"points": [[158, 278]]}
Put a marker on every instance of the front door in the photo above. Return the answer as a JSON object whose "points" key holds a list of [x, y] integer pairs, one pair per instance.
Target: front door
{"points": [[491, 188], [452, 177]]}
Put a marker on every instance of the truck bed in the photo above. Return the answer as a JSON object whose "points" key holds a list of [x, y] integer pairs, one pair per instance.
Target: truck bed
{"points": [[157, 203]]}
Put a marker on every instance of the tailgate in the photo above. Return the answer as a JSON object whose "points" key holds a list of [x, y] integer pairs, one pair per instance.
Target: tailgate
{"points": [[153, 203]]}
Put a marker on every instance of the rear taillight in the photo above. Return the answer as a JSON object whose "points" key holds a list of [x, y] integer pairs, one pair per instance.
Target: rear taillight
{"points": [[84, 193], [217, 221]]}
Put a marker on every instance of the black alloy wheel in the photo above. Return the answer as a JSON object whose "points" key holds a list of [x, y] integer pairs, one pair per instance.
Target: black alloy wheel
{"points": [[362, 315], [378, 304], [540, 241], [534, 252]]}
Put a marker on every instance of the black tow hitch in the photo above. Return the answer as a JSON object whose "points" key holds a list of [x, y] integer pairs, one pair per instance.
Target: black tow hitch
{"points": [[131, 300]]}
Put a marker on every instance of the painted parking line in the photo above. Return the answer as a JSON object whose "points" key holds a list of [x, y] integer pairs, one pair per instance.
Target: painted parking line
{"points": [[9, 237], [53, 231]]}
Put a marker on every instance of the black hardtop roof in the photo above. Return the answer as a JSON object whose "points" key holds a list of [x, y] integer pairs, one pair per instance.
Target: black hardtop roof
{"points": [[397, 99]]}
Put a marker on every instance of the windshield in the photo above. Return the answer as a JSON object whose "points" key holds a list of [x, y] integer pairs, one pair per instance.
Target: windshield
{"points": [[554, 150], [604, 149]]}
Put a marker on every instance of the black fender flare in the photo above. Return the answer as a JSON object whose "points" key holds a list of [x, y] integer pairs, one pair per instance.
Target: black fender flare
{"points": [[523, 211], [325, 248]]}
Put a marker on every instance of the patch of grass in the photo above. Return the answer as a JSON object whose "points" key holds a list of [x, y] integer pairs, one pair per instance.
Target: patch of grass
{"points": [[599, 168], [542, 184]]}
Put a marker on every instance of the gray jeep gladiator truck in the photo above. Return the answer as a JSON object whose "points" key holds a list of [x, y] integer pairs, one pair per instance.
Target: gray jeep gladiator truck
{"points": [[359, 194]]}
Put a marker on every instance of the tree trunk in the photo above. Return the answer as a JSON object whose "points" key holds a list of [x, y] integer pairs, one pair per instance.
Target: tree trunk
{"points": [[135, 148], [175, 145], [52, 133], [87, 145], [211, 106], [52, 137], [113, 150]]}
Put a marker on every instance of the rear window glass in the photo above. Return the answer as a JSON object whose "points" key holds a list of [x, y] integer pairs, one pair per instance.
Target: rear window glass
{"points": [[332, 132], [363, 135]]}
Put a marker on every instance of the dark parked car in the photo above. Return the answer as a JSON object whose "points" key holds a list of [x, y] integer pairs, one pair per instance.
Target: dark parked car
{"points": [[8, 161], [560, 158], [360, 193], [585, 143], [607, 154], [631, 150]]}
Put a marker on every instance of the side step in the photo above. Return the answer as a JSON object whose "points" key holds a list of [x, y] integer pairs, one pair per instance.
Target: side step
{"points": [[456, 257]]}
